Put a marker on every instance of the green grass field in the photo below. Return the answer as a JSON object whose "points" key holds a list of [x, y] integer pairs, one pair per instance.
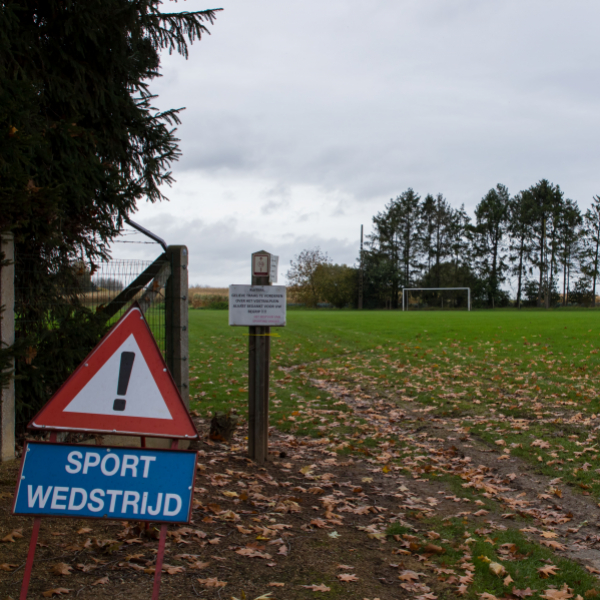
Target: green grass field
{"points": [[513, 376], [524, 382]]}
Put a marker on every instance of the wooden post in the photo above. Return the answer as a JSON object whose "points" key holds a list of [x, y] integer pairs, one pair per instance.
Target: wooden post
{"points": [[259, 363], [7, 338], [176, 320]]}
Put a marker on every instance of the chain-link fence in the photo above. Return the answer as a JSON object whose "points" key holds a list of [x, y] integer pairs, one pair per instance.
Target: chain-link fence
{"points": [[112, 278], [59, 323]]}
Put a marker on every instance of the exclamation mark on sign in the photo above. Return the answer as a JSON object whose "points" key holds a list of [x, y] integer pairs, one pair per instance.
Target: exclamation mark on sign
{"points": [[124, 375]]}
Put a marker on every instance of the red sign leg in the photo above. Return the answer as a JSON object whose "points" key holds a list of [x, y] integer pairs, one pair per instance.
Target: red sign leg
{"points": [[29, 565], [161, 549], [159, 562]]}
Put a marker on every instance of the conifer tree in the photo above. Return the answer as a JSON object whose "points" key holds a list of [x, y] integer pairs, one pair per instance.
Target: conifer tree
{"points": [[80, 145], [491, 220]]}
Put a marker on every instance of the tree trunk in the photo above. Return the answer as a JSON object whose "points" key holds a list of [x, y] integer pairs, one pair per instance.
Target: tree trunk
{"points": [[521, 250], [550, 275], [543, 243], [565, 282], [494, 267], [595, 269]]}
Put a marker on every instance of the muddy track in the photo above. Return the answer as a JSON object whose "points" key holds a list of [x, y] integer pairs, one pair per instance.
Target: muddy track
{"points": [[545, 499]]}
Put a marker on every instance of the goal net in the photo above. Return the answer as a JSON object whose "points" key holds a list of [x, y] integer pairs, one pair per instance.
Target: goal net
{"points": [[436, 298]]}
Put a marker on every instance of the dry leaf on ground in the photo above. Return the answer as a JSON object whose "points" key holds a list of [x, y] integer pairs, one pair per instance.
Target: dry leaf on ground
{"points": [[545, 572], [317, 588], [563, 594], [101, 581], [212, 582], [62, 569], [409, 576], [347, 577], [12, 536], [55, 592], [522, 593]]}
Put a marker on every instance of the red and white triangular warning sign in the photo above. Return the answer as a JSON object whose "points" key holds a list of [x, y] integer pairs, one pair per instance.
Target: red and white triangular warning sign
{"points": [[122, 387]]}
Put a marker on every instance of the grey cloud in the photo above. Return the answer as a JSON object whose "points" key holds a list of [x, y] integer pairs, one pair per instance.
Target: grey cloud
{"points": [[279, 199], [219, 253], [434, 95]]}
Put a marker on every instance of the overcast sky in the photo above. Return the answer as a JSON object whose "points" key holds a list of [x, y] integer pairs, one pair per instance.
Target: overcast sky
{"points": [[304, 118]]}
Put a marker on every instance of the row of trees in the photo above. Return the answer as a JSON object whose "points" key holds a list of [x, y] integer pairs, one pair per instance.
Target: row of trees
{"points": [[538, 240]]}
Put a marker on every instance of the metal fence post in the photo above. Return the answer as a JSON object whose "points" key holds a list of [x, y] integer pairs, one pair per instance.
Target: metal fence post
{"points": [[7, 338], [176, 320]]}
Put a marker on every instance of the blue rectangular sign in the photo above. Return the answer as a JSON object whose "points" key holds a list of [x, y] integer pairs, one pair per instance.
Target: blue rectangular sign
{"points": [[62, 480]]}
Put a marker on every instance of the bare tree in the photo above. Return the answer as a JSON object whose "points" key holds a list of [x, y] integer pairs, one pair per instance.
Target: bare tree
{"points": [[301, 275]]}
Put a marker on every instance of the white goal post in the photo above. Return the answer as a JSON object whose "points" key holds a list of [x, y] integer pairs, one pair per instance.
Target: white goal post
{"points": [[405, 306]]}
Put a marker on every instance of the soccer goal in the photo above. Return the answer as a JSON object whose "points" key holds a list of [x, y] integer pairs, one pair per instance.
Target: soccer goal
{"points": [[405, 302]]}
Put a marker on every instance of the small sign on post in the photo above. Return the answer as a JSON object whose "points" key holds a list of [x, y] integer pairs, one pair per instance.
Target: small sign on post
{"points": [[259, 306], [256, 305]]}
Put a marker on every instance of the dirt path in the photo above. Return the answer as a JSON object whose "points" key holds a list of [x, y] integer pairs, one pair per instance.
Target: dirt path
{"points": [[312, 520], [514, 483]]}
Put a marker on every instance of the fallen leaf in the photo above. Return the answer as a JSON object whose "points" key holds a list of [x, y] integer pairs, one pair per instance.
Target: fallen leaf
{"points": [[508, 580], [101, 581], [549, 534], [62, 569], [592, 570], [252, 553], [557, 594], [86, 568], [553, 544], [347, 577], [212, 582], [276, 584], [522, 593], [317, 588], [55, 592], [319, 523], [7, 567], [170, 570], [433, 549], [545, 572], [408, 575], [497, 569], [12, 536], [84, 530]]}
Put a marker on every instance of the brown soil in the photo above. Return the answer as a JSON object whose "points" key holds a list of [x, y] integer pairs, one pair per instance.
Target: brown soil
{"points": [[300, 516]]}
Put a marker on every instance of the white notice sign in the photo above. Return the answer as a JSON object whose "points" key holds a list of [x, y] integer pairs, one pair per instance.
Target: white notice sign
{"points": [[257, 305]]}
